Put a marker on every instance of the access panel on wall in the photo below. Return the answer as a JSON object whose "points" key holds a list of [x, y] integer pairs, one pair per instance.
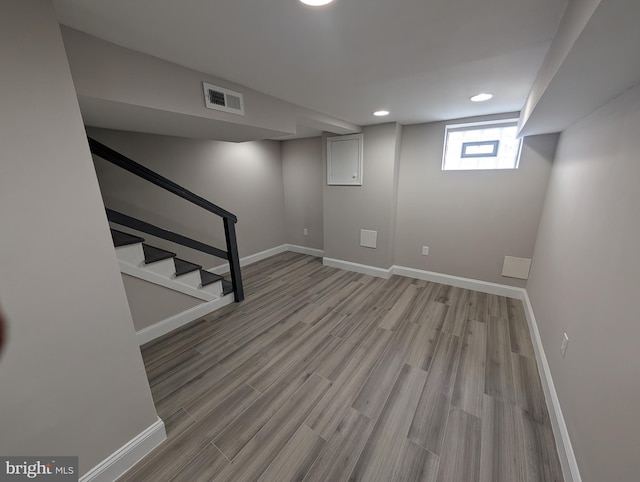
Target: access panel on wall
{"points": [[344, 160]]}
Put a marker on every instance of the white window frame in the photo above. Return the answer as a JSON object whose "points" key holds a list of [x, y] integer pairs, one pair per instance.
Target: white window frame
{"points": [[472, 126]]}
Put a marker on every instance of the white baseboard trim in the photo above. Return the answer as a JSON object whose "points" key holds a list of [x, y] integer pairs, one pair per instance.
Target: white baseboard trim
{"points": [[128, 455], [253, 258], [358, 268], [468, 283], [173, 322], [568, 461], [160, 280], [318, 253]]}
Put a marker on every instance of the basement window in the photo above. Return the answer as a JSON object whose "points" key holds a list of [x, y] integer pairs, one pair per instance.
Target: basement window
{"points": [[481, 146]]}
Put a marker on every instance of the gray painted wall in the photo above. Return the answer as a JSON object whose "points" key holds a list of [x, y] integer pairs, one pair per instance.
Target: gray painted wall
{"points": [[470, 220], [347, 209], [303, 175], [584, 281], [72, 380], [245, 179], [150, 303]]}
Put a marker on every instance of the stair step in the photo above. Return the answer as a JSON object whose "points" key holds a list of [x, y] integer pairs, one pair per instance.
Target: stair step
{"points": [[208, 277], [184, 267], [227, 287], [152, 254], [124, 239]]}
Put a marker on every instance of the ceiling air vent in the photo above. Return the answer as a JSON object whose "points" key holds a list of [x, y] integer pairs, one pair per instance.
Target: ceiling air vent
{"points": [[226, 100]]}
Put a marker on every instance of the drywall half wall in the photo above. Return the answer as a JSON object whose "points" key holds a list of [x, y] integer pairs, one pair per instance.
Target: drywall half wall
{"points": [[243, 178], [470, 220], [303, 176], [372, 206], [584, 281], [151, 303], [72, 381], [124, 89], [574, 20]]}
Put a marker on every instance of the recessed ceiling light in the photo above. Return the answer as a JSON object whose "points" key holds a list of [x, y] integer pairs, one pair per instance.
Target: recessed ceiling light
{"points": [[316, 3], [381, 113], [481, 97]]}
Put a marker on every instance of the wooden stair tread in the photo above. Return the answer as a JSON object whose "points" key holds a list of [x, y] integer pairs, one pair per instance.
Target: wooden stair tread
{"points": [[124, 239], [208, 277], [184, 267], [153, 254]]}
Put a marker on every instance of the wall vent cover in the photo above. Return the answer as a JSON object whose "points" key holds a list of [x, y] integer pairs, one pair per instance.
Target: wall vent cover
{"points": [[219, 98]]}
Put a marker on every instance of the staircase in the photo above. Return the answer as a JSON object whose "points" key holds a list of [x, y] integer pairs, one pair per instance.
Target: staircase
{"points": [[162, 264], [164, 268]]}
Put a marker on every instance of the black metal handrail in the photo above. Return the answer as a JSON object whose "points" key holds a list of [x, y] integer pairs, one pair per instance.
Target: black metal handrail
{"points": [[228, 219], [144, 227], [139, 170]]}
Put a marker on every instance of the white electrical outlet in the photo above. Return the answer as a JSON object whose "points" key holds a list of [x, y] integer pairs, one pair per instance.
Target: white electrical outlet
{"points": [[305, 231], [425, 251], [565, 342]]}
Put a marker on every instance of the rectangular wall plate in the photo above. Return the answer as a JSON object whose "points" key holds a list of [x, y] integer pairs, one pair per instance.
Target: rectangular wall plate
{"points": [[368, 238], [516, 267]]}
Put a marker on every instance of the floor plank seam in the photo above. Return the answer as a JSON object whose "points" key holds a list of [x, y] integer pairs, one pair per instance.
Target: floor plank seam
{"points": [[187, 412], [260, 479], [220, 450], [259, 391]]}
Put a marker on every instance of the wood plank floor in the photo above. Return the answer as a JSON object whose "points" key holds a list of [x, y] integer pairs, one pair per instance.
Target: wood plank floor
{"points": [[327, 375]]}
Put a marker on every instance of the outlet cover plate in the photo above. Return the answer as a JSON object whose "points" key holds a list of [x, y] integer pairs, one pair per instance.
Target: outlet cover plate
{"points": [[565, 342]]}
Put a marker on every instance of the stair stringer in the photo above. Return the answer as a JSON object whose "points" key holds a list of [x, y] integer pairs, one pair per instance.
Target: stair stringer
{"points": [[131, 260], [161, 273], [167, 325], [171, 283], [210, 302]]}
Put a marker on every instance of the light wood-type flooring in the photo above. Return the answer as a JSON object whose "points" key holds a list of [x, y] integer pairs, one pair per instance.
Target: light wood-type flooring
{"points": [[328, 375]]}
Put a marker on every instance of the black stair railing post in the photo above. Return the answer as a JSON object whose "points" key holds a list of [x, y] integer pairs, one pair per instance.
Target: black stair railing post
{"points": [[234, 259]]}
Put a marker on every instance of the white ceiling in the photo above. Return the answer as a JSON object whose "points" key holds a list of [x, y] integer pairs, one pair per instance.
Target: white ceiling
{"points": [[419, 59]]}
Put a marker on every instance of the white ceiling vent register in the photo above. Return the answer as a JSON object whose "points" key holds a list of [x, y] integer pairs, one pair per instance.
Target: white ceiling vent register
{"points": [[226, 100]]}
